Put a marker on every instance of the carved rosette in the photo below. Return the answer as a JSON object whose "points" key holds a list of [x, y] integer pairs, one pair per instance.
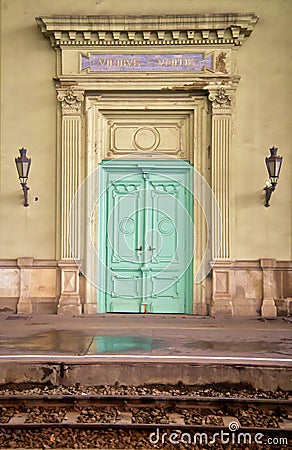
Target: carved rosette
{"points": [[71, 101]]}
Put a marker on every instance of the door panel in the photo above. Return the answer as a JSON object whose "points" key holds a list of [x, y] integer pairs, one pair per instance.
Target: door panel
{"points": [[148, 232], [164, 220], [126, 222], [170, 234], [124, 235]]}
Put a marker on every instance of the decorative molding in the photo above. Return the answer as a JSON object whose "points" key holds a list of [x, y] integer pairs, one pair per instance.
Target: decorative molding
{"points": [[167, 30], [71, 101], [134, 131], [221, 62], [220, 98]]}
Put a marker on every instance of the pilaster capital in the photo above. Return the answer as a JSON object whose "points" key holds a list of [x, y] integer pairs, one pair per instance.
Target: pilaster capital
{"points": [[221, 100], [221, 96], [71, 100]]}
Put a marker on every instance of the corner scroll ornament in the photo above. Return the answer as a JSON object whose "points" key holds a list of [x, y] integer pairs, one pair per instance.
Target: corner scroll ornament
{"points": [[221, 101], [71, 101]]}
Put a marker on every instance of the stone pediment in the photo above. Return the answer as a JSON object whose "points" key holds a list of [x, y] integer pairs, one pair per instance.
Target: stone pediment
{"points": [[215, 30]]}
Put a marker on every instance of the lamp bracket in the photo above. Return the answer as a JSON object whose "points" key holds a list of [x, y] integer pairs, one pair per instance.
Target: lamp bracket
{"points": [[268, 189]]}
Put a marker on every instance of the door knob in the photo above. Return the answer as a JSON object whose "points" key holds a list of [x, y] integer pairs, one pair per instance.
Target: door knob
{"points": [[139, 249], [151, 248]]}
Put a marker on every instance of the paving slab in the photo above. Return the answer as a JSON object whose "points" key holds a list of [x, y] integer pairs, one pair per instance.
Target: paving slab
{"points": [[152, 335], [137, 349]]}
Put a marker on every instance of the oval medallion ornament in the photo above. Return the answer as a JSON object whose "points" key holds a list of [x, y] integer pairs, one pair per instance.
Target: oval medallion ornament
{"points": [[166, 226], [146, 139], [127, 226]]}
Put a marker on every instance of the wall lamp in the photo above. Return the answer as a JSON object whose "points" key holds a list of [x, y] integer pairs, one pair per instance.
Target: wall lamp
{"points": [[273, 164], [23, 166]]}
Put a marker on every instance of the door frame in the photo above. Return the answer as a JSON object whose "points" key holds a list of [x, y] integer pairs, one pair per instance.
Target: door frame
{"points": [[100, 119], [170, 166]]}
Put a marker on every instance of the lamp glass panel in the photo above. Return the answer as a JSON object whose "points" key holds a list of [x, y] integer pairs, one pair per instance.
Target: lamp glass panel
{"points": [[19, 168], [278, 167], [274, 166], [271, 167], [23, 168], [26, 166]]}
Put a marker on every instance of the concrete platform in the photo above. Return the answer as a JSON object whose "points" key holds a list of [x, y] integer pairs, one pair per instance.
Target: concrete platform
{"points": [[138, 349]]}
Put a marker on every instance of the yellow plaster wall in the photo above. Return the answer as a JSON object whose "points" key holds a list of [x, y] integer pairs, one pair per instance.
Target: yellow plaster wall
{"points": [[28, 118]]}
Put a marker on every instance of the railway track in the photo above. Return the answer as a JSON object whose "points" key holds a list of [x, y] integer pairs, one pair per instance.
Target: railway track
{"points": [[147, 422], [145, 412]]}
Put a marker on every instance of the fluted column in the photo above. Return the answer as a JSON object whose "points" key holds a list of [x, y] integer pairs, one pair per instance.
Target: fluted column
{"points": [[71, 104], [221, 137], [221, 102]]}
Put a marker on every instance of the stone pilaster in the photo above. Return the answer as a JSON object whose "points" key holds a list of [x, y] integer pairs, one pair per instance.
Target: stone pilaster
{"points": [[71, 104], [268, 308], [220, 97], [24, 305]]}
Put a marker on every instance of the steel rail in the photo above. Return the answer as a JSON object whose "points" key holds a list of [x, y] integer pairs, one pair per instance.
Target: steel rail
{"points": [[143, 426], [197, 400]]}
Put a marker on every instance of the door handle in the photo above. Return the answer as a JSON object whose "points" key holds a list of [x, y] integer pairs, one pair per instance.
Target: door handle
{"points": [[140, 249], [151, 248]]}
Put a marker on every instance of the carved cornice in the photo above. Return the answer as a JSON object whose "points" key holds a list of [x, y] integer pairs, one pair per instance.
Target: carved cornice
{"points": [[199, 29]]}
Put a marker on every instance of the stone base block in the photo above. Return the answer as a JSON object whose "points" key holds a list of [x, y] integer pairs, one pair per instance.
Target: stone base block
{"points": [[70, 306], [268, 309], [222, 307], [282, 306], [44, 305], [24, 305], [246, 306], [200, 309]]}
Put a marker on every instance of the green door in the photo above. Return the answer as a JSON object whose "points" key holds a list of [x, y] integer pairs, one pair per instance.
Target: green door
{"points": [[145, 237]]}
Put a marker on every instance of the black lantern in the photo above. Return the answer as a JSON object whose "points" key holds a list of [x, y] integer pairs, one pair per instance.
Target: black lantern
{"points": [[273, 164], [23, 166]]}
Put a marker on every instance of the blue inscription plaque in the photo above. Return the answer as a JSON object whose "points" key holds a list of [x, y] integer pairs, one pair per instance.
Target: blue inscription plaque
{"points": [[188, 62]]}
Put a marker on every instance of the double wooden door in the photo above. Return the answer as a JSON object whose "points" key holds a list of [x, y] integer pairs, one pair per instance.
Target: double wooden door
{"points": [[145, 237]]}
